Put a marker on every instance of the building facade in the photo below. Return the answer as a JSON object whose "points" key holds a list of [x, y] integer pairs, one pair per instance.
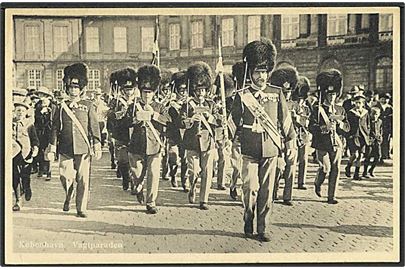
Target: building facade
{"points": [[360, 45]]}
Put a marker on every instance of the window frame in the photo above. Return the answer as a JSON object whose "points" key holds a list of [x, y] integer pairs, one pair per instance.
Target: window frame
{"points": [[291, 25], [28, 41], [37, 77], [92, 81], [197, 39], [90, 39], [117, 46], [228, 32], [254, 32], [337, 19], [174, 38], [150, 37]]}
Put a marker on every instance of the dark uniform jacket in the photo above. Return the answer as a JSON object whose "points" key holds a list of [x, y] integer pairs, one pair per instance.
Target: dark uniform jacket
{"points": [[25, 135], [174, 128], [65, 132], [323, 141], [386, 117], [118, 127], [301, 123], [260, 145], [143, 141], [43, 123], [359, 132], [197, 137]]}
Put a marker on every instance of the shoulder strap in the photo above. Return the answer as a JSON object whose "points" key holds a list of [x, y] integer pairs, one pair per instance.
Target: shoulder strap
{"points": [[151, 127], [76, 121]]}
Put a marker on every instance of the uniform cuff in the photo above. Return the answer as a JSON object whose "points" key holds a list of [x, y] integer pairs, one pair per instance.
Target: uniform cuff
{"points": [[291, 144]]}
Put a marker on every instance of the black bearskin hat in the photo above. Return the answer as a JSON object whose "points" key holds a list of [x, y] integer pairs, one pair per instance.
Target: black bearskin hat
{"points": [[329, 81], [166, 76], [238, 73], [286, 78], [260, 54], [149, 77], [179, 79], [303, 87], [126, 78], [200, 76], [228, 83], [114, 77], [75, 75]]}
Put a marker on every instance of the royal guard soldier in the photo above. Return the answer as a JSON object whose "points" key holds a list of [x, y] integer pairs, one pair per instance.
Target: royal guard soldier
{"points": [[223, 150], [199, 137], [147, 117], [358, 137], [25, 147], [259, 111], [238, 74], [286, 78], [300, 116], [75, 129], [44, 111], [386, 117], [126, 82], [175, 130], [164, 97], [327, 124]]}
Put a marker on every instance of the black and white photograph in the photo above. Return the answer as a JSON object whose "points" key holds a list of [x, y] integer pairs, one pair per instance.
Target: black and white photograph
{"points": [[200, 135]]}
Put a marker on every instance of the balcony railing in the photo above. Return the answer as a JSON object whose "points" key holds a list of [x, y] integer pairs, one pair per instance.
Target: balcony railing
{"points": [[299, 43], [385, 35], [347, 39]]}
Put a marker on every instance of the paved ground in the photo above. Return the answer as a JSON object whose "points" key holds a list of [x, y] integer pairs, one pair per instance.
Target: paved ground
{"points": [[362, 221]]}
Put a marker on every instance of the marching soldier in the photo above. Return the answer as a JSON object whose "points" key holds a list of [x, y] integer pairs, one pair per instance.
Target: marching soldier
{"points": [[126, 82], [175, 131], [286, 78], [259, 110], [147, 118], [327, 124], [44, 111], [223, 150], [301, 112], [358, 135], [25, 147], [110, 121], [199, 137], [77, 133]]}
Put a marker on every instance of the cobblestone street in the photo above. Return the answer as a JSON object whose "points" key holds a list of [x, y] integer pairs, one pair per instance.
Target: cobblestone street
{"points": [[116, 223]]}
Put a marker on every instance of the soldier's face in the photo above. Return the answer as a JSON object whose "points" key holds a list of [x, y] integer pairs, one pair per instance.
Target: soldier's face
{"points": [[200, 93], [147, 96], [74, 91], [129, 91], [260, 77], [331, 97]]}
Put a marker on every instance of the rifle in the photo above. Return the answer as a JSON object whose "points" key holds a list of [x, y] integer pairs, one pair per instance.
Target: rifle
{"points": [[220, 71]]}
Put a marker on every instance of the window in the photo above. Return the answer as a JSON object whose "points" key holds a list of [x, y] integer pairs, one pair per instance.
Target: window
{"points": [[337, 24], [94, 79], [120, 39], [32, 39], [148, 38], [60, 39], [385, 23], [59, 80], [34, 78], [365, 21], [174, 36], [290, 27], [92, 40], [383, 78], [227, 32], [253, 28], [197, 34]]}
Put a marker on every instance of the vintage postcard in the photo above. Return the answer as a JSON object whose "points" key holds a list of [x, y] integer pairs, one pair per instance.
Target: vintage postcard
{"points": [[176, 135]]}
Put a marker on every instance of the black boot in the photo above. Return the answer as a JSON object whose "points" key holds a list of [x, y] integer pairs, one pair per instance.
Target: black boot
{"points": [[347, 170], [371, 171], [356, 175], [365, 175], [124, 170]]}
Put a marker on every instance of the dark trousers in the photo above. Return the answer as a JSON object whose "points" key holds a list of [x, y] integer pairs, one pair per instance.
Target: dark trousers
{"points": [[372, 156], [385, 146], [44, 165], [21, 174]]}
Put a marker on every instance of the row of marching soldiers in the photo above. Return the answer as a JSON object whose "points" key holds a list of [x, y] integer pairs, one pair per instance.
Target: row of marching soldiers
{"points": [[264, 125]]}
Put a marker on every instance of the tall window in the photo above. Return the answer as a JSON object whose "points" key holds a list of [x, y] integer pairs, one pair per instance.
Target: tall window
{"points": [[120, 39], [32, 39], [290, 26], [34, 78], [60, 39], [92, 40], [59, 79], [253, 28], [197, 34], [93, 79], [383, 78], [227, 32], [148, 36], [385, 23], [174, 36], [337, 24]]}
